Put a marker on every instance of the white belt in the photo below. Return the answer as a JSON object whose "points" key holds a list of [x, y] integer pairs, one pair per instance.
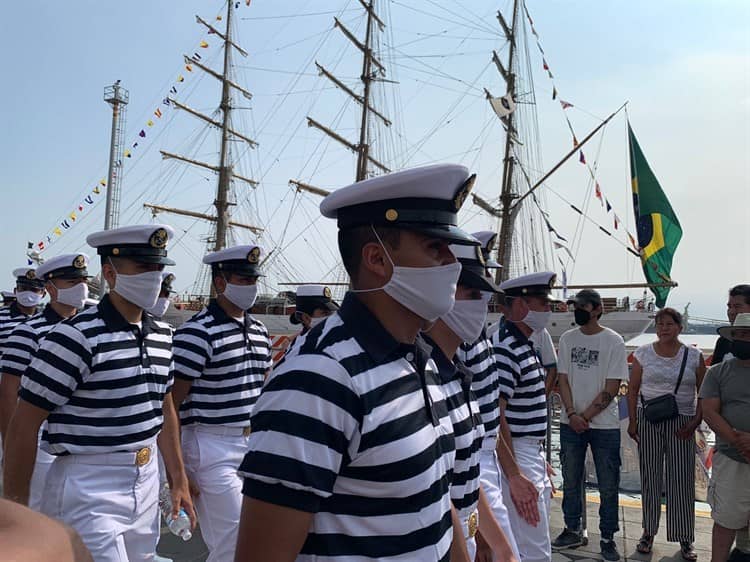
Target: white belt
{"points": [[141, 457], [489, 443], [221, 429]]}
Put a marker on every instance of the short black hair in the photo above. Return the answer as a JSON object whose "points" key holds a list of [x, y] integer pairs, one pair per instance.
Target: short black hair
{"points": [[741, 291], [671, 312], [352, 240]]}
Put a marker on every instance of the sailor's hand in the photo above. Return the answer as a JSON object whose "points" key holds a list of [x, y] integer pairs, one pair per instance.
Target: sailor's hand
{"points": [[181, 499], [484, 552], [525, 497]]}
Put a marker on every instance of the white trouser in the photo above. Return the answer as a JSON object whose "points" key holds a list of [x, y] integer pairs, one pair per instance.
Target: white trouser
{"points": [[110, 501], [491, 480], [212, 456], [38, 479], [533, 542]]}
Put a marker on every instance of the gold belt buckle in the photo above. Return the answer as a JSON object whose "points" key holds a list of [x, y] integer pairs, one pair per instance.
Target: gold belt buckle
{"points": [[473, 524], [143, 456], [246, 431]]}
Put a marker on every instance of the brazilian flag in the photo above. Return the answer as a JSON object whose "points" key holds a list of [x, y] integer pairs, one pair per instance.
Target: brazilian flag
{"points": [[659, 231]]}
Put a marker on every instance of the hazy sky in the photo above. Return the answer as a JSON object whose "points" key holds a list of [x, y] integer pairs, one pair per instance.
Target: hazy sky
{"points": [[683, 66]]}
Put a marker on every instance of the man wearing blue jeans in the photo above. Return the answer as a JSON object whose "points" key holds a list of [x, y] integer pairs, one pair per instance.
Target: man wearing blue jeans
{"points": [[591, 363]]}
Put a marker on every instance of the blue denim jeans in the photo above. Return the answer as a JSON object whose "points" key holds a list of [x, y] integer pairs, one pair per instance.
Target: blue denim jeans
{"points": [[605, 448]]}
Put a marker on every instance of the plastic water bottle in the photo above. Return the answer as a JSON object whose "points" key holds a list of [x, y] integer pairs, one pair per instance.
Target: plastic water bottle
{"points": [[179, 526]]}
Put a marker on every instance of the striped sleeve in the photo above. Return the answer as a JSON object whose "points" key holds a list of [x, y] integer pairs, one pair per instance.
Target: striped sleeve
{"points": [[305, 424], [61, 364], [509, 371], [18, 351], [191, 348]]}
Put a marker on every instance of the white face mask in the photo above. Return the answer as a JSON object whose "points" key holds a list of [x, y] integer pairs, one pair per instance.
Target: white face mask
{"points": [[537, 321], [241, 296], [315, 321], [466, 319], [141, 289], [29, 299], [429, 292], [74, 296], [160, 308]]}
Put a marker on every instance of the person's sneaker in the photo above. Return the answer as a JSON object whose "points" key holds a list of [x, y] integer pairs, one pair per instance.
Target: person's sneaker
{"points": [[609, 549], [568, 539], [738, 556]]}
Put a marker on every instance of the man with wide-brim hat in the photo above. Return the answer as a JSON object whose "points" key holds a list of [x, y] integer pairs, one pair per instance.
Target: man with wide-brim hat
{"points": [[101, 381], [359, 399], [725, 399]]}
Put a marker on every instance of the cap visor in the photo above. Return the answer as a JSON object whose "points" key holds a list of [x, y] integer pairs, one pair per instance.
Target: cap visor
{"points": [[161, 260], [725, 332], [331, 305], [474, 281], [449, 233]]}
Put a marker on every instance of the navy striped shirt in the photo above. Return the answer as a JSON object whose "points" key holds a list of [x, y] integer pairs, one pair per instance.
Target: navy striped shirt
{"points": [[479, 358], [103, 381], [521, 382], [226, 360], [23, 342], [467, 429], [353, 427], [10, 317]]}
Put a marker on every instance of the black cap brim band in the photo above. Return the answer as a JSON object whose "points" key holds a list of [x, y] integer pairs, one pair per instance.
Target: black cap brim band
{"points": [[67, 273], [240, 267], [139, 253], [308, 305]]}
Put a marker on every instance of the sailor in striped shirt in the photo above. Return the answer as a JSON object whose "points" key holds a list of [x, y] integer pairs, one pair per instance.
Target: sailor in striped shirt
{"points": [[523, 403], [352, 448], [464, 323], [313, 304], [65, 280], [221, 358], [101, 381], [29, 294]]}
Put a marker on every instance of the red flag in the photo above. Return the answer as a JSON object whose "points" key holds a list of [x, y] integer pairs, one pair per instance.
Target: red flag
{"points": [[575, 142], [544, 64], [565, 104], [598, 192], [581, 157], [633, 242], [40, 245]]}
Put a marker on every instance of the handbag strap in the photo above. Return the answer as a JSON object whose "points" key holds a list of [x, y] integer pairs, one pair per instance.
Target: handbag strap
{"points": [[682, 369]]}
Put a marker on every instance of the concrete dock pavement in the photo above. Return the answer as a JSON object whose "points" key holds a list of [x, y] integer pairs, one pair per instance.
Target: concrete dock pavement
{"points": [[171, 547]]}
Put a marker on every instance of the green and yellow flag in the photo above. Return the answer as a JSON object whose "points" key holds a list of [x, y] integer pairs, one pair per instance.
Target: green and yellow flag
{"points": [[659, 231]]}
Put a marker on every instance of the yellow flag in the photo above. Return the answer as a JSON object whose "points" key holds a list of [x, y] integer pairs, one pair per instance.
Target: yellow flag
{"points": [[127, 153], [57, 231], [97, 190], [218, 18], [102, 182], [180, 78], [188, 68], [150, 123], [204, 45], [72, 216]]}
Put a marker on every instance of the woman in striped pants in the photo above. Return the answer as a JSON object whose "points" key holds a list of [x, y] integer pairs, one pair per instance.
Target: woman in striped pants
{"points": [[670, 443]]}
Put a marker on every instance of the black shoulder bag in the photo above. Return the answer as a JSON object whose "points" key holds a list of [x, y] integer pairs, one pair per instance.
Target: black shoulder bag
{"points": [[664, 407]]}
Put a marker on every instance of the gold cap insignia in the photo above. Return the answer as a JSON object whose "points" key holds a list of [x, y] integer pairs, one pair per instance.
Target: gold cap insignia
{"points": [[31, 274], [391, 215], [327, 292], [463, 192], [159, 239], [115, 251], [253, 255], [79, 262]]}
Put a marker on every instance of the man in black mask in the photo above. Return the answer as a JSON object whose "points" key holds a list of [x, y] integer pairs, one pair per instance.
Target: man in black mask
{"points": [[725, 398], [591, 363]]}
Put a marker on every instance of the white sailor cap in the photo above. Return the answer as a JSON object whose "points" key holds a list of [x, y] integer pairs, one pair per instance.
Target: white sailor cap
{"points": [[8, 295], [167, 278], [487, 240], [67, 266], [531, 285], [311, 297], [27, 276], [425, 200], [143, 243], [473, 269], [243, 260]]}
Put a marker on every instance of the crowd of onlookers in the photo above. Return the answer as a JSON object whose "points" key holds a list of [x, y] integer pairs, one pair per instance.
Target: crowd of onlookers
{"points": [[670, 393]]}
